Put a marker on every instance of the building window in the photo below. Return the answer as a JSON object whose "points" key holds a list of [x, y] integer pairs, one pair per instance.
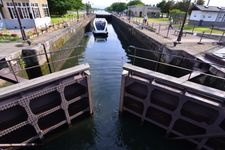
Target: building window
{"points": [[12, 12], [25, 13], [203, 16], [20, 12], [35, 10], [195, 16], [45, 9], [21, 9]]}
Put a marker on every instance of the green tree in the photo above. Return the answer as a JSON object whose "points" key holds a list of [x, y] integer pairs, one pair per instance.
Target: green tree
{"points": [[135, 2], [177, 15], [60, 7], [161, 5], [117, 7], [200, 2], [168, 6], [76, 5], [182, 5]]}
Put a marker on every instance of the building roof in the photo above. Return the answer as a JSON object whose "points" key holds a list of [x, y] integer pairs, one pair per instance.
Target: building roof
{"points": [[209, 8]]}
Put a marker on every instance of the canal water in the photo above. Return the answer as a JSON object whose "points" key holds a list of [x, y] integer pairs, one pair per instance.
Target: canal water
{"points": [[106, 129]]}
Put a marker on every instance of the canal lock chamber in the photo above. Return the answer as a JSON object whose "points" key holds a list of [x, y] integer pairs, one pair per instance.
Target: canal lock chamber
{"points": [[97, 55]]}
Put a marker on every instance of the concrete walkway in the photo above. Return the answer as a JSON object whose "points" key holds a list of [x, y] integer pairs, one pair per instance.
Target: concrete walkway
{"points": [[189, 43], [15, 48]]}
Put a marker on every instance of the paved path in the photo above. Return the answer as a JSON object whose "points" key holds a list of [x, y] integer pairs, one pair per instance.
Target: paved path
{"points": [[189, 43], [7, 49]]}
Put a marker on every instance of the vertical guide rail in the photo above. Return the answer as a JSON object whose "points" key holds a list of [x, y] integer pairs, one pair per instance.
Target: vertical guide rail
{"points": [[221, 37], [46, 56], [134, 55], [157, 64], [12, 70], [122, 90]]}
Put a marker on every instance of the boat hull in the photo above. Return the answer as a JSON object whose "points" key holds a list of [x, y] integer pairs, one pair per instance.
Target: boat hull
{"points": [[100, 27], [102, 34]]}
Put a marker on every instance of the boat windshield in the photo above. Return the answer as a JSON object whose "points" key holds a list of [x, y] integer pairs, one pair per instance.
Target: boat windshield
{"points": [[100, 25]]}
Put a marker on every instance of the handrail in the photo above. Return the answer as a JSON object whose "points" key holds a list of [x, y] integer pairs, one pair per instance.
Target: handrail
{"points": [[178, 67], [174, 55]]}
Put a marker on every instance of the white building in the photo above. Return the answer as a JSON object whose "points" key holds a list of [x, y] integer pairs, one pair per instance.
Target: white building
{"points": [[140, 11], [31, 13], [207, 16]]}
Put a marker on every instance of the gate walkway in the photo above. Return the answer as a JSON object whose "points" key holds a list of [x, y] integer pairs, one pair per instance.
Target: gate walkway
{"points": [[5, 74]]}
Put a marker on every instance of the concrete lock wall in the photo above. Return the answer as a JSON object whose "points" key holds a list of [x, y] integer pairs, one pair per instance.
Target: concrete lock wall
{"points": [[132, 35], [186, 110], [69, 37], [31, 109]]}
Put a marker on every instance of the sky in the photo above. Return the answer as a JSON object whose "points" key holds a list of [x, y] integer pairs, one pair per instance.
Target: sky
{"points": [[106, 3]]}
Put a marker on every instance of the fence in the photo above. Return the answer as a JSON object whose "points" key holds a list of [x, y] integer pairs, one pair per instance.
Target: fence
{"points": [[16, 70]]}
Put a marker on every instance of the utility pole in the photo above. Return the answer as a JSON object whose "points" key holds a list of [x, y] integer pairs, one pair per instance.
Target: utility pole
{"points": [[182, 26], [19, 21]]}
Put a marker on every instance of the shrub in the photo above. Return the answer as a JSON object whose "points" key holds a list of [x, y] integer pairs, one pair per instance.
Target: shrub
{"points": [[14, 35]]}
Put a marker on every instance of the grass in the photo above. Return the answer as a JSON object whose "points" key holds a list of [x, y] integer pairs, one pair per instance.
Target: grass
{"points": [[59, 19], [187, 27], [8, 38], [153, 20], [199, 29]]}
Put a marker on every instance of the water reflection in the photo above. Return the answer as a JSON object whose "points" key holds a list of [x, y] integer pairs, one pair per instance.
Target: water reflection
{"points": [[106, 130], [100, 40]]}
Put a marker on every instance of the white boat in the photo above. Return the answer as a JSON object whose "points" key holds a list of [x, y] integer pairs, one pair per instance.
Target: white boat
{"points": [[100, 27]]}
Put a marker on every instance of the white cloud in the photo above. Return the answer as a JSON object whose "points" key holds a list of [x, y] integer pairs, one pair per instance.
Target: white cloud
{"points": [[106, 3]]}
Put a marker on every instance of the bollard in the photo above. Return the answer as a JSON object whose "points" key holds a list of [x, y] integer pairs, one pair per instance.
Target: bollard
{"points": [[193, 29], [200, 41], [46, 27], [211, 29], [159, 28], [180, 25], [168, 30]]}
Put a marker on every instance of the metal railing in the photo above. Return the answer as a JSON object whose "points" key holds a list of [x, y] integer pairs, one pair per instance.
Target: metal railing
{"points": [[134, 50], [15, 67]]}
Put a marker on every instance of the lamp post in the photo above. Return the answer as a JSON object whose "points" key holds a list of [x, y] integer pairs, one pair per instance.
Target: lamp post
{"points": [[19, 21], [182, 26]]}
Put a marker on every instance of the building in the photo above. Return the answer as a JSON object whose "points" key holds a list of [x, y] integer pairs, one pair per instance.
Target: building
{"points": [[207, 16], [31, 12], [140, 11]]}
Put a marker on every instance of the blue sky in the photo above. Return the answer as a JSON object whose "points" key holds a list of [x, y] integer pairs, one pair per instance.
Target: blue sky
{"points": [[106, 3]]}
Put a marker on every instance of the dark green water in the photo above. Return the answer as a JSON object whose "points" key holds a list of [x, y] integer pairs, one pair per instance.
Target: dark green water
{"points": [[105, 129]]}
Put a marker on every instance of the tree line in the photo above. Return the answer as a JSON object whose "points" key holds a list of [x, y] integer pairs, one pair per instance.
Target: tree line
{"points": [[60, 7], [164, 5], [120, 6], [167, 6]]}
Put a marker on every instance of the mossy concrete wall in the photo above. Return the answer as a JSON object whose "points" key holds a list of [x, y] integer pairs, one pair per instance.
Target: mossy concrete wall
{"points": [[133, 35]]}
